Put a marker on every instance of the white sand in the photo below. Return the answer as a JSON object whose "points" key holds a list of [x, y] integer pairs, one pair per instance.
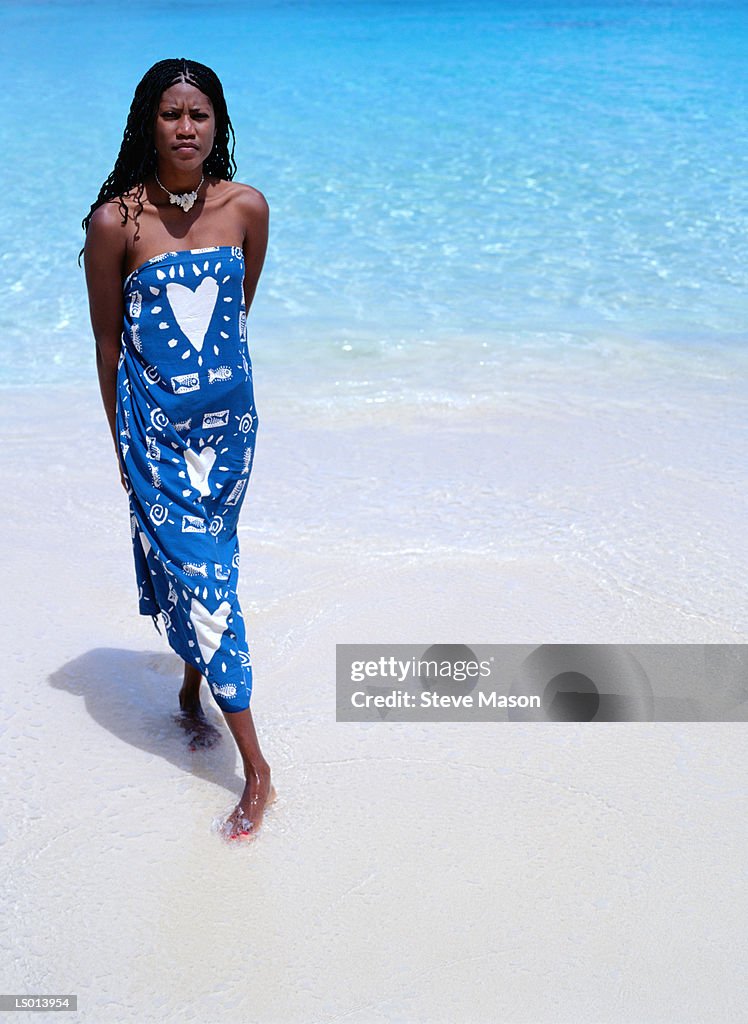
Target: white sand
{"points": [[408, 873]]}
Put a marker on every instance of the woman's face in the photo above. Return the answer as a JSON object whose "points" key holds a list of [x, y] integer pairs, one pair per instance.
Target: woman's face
{"points": [[185, 126]]}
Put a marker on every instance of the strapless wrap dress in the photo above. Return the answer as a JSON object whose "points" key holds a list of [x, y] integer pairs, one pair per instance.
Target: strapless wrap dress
{"points": [[186, 427]]}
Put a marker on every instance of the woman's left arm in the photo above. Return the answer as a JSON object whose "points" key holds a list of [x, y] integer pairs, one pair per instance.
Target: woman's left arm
{"points": [[256, 218]]}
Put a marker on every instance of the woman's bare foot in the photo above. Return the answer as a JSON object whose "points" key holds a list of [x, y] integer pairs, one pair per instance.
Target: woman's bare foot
{"points": [[202, 734], [192, 718], [246, 818]]}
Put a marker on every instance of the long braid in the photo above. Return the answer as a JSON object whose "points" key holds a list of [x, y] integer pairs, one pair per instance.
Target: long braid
{"points": [[137, 158]]}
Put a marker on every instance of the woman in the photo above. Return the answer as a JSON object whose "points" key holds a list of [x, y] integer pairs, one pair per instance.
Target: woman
{"points": [[173, 252]]}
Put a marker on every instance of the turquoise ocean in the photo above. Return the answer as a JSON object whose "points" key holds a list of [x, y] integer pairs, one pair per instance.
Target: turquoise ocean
{"points": [[459, 191]]}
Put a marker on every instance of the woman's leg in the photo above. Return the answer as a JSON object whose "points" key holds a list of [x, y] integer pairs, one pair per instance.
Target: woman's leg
{"points": [[192, 717], [189, 695], [259, 791]]}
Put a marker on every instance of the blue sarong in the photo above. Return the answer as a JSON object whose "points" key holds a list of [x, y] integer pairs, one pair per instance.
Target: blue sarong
{"points": [[186, 426]]}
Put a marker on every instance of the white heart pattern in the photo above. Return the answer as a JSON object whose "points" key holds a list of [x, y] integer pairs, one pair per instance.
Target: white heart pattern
{"points": [[209, 626], [199, 465], [193, 311]]}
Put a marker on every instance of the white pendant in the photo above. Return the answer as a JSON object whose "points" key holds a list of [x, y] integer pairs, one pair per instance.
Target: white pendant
{"points": [[186, 200]]}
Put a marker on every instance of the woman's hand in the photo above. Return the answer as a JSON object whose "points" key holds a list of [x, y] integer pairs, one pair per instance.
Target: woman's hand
{"points": [[123, 480]]}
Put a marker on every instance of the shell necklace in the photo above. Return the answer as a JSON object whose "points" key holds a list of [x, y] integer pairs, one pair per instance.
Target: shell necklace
{"points": [[184, 199]]}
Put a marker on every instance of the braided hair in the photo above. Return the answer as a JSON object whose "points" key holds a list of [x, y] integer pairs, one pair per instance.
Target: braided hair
{"points": [[137, 156]]}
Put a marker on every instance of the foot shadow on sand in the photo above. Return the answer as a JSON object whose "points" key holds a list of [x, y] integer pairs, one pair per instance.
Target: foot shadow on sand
{"points": [[134, 695]]}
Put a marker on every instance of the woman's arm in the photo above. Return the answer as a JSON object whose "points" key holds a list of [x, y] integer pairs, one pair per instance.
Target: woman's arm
{"points": [[103, 258], [255, 215]]}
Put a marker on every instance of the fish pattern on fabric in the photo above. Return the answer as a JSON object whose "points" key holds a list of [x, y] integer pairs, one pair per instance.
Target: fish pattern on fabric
{"points": [[186, 427]]}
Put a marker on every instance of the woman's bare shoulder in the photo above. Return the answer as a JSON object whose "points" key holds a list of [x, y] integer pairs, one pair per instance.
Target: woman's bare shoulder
{"points": [[107, 225], [105, 245], [247, 196], [111, 211]]}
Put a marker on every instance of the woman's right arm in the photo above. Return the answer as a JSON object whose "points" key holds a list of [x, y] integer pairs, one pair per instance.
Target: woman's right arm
{"points": [[103, 256]]}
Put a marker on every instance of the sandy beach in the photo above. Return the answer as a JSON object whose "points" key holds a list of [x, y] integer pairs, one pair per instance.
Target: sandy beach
{"points": [[408, 872]]}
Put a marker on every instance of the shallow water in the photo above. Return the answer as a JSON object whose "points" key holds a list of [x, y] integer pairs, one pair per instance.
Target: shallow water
{"points": [[455, 190]]}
